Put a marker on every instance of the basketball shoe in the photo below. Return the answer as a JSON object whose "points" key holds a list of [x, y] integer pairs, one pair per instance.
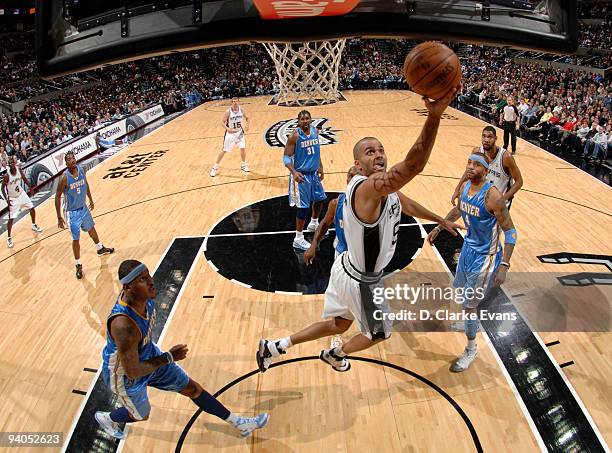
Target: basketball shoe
{"points": [[267, 352], [301, 243], [464, 361], [247, 425], [108, 425], [337, 363]]}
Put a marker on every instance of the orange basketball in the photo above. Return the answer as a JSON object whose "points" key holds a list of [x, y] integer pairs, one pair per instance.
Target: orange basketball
{"points": [[432, 69]]}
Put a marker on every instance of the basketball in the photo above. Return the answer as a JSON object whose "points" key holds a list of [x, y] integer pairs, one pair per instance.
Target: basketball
{"points": [[432, 69]]}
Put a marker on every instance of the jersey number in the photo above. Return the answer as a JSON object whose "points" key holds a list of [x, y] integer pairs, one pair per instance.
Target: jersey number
{"points": [[396, 228], [310, 150]]}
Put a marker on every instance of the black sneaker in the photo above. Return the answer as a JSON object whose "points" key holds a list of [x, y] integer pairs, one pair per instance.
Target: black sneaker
{"points": [[105, 251], [79, 271]]}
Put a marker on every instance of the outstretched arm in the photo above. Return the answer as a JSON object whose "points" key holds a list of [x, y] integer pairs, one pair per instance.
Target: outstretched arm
{"points": [[412, 208], [378, 185]]}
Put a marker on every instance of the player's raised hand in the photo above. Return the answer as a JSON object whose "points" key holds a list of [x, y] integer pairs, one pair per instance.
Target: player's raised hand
{"points": [[179, 352], [436, 108]]}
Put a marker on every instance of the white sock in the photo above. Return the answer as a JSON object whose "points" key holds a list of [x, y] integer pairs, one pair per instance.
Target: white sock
{"points": [[232, 419], [77, 262], [216, 166], [299, 235], [244, 162], [99, 246], [471, 344], [284, 343], [339, 352], [314, 220]]}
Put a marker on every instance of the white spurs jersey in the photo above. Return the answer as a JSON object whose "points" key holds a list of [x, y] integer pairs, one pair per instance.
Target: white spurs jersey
{"points": [[370, 246], [234, 120], [15, 186], [497, 175]]}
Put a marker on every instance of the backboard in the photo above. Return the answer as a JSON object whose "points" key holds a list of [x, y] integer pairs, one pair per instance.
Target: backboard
{"points": [[75, 35]]}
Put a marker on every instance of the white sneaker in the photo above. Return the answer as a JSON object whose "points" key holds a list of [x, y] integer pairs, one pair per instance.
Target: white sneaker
{"points": [[213, 172], [312, 226], [244, 167], [266, 353], [247, 425], [110, 427], [9, 242], [464, 361], [301, 244], [36, 228], [337, 363]]}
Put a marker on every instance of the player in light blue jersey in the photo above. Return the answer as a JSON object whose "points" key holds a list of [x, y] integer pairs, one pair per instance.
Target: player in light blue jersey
{"points": [[482, 260], [303, 159], [132, 361], [74, 187]]}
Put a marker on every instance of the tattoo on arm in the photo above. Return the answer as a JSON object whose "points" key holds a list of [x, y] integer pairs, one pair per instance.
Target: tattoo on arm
{"points": [[503, 216], [453, 214], [413, 164]]}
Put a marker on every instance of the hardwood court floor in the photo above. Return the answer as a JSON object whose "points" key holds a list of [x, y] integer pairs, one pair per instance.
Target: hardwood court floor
{"points": [[52, 326]]}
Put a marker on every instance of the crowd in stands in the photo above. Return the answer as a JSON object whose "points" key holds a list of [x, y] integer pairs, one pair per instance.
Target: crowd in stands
{"points": [[183, 80], [561, 108], [177, 81], [596, 36], [594, 9]]}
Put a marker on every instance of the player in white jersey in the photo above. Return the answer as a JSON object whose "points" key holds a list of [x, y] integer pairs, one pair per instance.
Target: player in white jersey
{"points": [[371, 219], [16, 197], [504, 174], [236, 124]]}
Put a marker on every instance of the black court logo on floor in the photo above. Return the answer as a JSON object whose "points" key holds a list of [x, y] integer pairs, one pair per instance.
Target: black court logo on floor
{"points": [[134, 165], [277, 134], [253, 247]]}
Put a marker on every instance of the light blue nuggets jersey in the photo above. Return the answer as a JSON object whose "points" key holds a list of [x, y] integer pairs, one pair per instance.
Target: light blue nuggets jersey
{"points": [[146, 348], [307, 155], [340, 242], [76, 190], [483, 234]]}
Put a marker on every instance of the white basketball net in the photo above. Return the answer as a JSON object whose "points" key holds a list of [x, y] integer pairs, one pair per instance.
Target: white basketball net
{"points": [[308, 72]]}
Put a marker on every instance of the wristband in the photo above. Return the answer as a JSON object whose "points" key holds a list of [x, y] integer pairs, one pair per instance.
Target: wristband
{"points": [[510, 236], [168, 355], [437, 228], [505, 263], [286, 159]]}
